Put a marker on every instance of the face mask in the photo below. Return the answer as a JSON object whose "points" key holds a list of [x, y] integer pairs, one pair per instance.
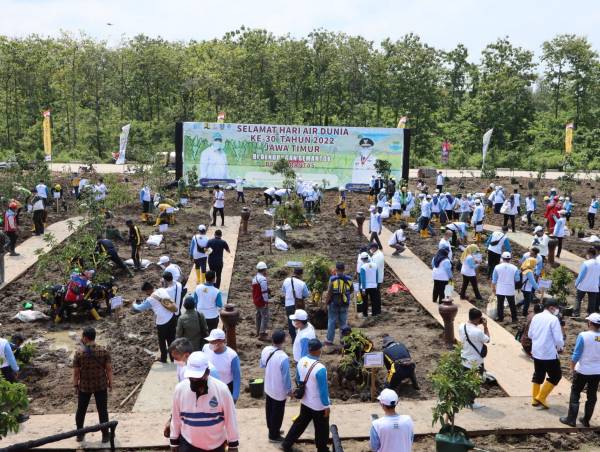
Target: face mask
{"points": [[200, 387], [213, 347], [180, 363], [555, 312], [218, 145]]}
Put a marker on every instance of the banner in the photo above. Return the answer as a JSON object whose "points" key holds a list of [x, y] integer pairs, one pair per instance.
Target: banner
{"points": [[47, 136], [486, 142], [446, 147], [123, 144], [569, 138], [342, 156]]}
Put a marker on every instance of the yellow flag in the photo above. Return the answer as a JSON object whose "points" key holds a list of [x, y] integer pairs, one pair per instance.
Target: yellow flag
{"points": [[569, 138], [47, 136]]}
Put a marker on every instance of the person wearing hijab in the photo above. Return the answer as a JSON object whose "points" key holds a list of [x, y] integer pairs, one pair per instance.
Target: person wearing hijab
{"points": [[529, 284], [470, 259], [442, 273]]}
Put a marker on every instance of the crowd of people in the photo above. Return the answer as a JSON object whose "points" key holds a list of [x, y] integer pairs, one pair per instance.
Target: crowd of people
{"points": [[209, 371]]}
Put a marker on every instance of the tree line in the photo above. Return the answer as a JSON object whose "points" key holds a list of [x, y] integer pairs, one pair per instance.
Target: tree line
{"points": [[325, 78]]}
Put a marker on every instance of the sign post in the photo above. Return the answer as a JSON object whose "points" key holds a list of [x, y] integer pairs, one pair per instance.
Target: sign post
{"points": [[373, 361], [270, 233]]}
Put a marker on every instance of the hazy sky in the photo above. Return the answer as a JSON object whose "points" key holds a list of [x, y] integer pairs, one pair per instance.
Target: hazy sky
{"points": [[440, 23]]}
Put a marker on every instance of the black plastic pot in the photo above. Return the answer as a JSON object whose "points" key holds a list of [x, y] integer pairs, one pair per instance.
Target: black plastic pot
{"points": [[257, 388], [452, 439]]}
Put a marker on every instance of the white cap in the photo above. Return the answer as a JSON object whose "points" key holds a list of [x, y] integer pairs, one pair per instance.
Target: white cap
{"points": [[163, 260], [299, 314], [505, 255], [561, 198], [202, 228], [196, 366], [594, 317], [261, 266], [388, 397], [371, 208], [364, 255], [477, 201], [342, 189], [382, 190], [538, 229], [216, 335], [428, 197]]}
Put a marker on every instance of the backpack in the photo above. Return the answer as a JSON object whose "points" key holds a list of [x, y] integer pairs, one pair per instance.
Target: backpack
{"points": [[340, 291], [75, 289], [199, 248], [257, 294]]}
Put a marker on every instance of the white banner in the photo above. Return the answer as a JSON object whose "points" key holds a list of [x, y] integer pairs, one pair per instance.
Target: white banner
{"points": [[123, 144], [486, 142]]}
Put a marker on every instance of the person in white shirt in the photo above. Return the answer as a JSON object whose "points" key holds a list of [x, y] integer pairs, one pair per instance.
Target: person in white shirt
{"points": [[393, 432], [398, 240], [470, 260], [219, 206], [587, 282], [225, 360], [585, 365], [445, 242], [278, 383], [375, 226], [530, 206], [473, 341], [269, 194], [314, 404], [83, 182], [504, 279], [213, 160], [369, 287], [294, 291], [42, 190], [517, 197], [498, 199], [439, 181], [304, 333], [198, 254], [201, 396], [540, 241], [560, 227], [146, 200], [38, 207], [509, 210], [378, 258], [165, 263], [496, 243], [239, 188], [165, 320], [175, 290], [592, 211], [100, 190], [281, 193], [260, 298], [208, 300], [546, 343]]}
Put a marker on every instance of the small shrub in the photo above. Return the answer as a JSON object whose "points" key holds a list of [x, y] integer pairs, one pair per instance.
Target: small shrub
{"points": [[13, 401], [562, 280]]}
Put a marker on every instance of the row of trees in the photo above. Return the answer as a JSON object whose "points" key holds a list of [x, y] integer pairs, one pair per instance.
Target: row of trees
{"points": [[323, 79]]}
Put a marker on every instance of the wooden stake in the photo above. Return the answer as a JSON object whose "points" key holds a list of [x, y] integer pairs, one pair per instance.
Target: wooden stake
{"points": [[130, 394], [373, 387]]}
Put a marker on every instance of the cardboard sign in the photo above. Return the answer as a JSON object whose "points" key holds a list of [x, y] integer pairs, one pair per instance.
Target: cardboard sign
{"points": [[373, 360], [163, 227], [269, 233], [544, 284]]}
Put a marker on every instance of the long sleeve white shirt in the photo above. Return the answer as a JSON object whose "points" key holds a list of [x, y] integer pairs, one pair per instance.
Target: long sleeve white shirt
{"points": [[546, 336]]}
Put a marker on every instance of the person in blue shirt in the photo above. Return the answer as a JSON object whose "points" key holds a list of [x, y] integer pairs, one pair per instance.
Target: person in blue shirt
{"points": [[559, 229], [8, 362], [534, 252], [442, 273], [568, 206], [529, 284]]}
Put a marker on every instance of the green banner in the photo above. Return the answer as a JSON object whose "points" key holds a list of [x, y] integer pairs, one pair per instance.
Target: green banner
{"points": [[222, 153]]}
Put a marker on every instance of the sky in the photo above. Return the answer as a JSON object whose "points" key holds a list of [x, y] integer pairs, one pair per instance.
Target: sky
{"points": [[442, 24]]}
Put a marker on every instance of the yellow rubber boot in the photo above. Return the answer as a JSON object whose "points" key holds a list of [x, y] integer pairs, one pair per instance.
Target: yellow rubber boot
{"points": [[198, 276], [95, 314], [57, 319], [545, 391], [202, 277], [535, 390]]}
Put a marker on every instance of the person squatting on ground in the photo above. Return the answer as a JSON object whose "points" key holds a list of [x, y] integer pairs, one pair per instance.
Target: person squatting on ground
{"points": [[398, 240], [314, 402], [339, 290], [585, 365], [546, 343], [398, 363], [442, 273], [473, 341], [260, 298], [92, 375], [278, 383], [392, 432]]}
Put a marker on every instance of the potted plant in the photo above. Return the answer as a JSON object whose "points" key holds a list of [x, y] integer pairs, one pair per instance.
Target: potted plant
{"points": [[578, 229], [562, 280], [317, 271], [456, 388]]}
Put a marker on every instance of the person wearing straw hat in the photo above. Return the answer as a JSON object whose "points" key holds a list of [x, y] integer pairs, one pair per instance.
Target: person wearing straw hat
{"points": [[470, 259], [585, 365], [226, 361], [304, 333], [392, 432], [203, 415]]}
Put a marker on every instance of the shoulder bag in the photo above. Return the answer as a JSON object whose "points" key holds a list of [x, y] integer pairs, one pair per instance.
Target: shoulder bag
{"points": [[301, 388], [298, 302], [484, 350]]}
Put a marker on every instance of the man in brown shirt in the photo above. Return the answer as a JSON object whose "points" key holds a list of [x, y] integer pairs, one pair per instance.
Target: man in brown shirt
{"points": [[92, 374]]}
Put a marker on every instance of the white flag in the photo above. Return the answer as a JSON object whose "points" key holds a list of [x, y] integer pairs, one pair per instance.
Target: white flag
{"points": [[123, 144], [486, 142]]}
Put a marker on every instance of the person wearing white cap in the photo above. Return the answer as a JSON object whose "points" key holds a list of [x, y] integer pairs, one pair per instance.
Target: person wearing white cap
{"points": [[585, 365], [294, 291], [509, 210], [299, 187], [530, 206], [587, 282], [540, 241], [592, 211], [425, 217], [392, 432], [498, 199], [198, 254], [203, 413], [546, 343], [496, 243], [218, 206], [208, 300], [439, 181], [369, 287], [146, 200], [504, 279], [269, 194], [560, 226], [375, 226], [165, 263], [304, 333], [477, 219], [239, 188], [175, 290], [260, 297], [225, 359], [314, 403], [381, 199]]}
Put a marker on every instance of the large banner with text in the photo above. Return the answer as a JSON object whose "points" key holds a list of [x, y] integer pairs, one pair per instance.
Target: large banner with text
{"points": [[343, 156]]}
